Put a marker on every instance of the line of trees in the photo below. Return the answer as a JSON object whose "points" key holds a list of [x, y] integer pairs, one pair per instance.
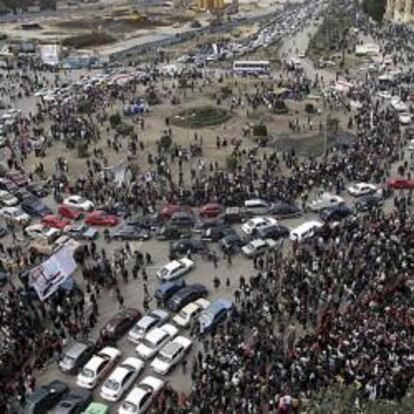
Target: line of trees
{"points": [[375, 8]]}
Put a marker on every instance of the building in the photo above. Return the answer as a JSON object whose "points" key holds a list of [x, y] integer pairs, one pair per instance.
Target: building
{"points": [[210, 4], [400, 11]]}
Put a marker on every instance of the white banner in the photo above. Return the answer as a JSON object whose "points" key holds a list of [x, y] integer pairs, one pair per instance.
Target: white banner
{"points": [[50, 54], [47, 277]]}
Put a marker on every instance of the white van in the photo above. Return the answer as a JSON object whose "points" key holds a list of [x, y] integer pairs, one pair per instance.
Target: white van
{"points": [[256, 207], [305, 230]]}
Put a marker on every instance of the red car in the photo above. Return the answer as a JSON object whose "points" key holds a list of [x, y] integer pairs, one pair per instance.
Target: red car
{"points": [[100, 218], [120, 324], [53, 221], [17, 177], [69, 213], [210, 210], [400, 183], [168, 210]]}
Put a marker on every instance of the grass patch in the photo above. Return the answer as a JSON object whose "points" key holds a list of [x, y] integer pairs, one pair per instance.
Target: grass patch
{"points": [[201, 117], [88, 40]]}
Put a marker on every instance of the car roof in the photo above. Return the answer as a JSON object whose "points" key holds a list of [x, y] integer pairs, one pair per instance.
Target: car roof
{"points": [[76, 349], [308, 225], [156, 334]]}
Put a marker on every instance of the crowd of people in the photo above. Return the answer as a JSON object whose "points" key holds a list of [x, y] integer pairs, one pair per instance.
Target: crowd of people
{"points": [[334, 310]]}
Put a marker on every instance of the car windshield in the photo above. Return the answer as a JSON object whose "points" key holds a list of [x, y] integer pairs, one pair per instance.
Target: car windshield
{"points": [[138, 330], [130, 407], [206, 319], [112, 385], [87, 373], [165, 358], [183, 314], [146, 342], [164, 272], [67, 360]]}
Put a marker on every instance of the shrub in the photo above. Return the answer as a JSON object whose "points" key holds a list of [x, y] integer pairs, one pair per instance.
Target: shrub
{"points": [[166, 141], [124, 129], [260, 130], [83, 150], [310, 108], [115, 119], [280, 107], [231, 162]]}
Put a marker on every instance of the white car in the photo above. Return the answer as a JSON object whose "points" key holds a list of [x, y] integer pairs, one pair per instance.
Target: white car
{"points": [[97, 367], [256, 223], [15, 215], [411, 145], [171, 354], [151, 320], [404, 118], [384, 95], [155, 339], [258, 246], [39, 231], [361, 189], [142, 396], [305, 230], [189, 312], [175, 269], [79, 203], [7, 199], [121, 379], [324, 201]]}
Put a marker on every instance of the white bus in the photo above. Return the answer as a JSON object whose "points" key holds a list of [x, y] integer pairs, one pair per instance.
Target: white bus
{"points": [[251, 66]]}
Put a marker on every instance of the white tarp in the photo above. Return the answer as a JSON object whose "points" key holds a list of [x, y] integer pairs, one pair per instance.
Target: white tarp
{"points": [[50, 54], [47, 277]]}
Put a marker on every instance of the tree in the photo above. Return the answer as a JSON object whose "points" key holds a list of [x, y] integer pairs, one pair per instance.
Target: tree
{"points": [[115, 119], [166, 141], [260, 130], [375, 8]]}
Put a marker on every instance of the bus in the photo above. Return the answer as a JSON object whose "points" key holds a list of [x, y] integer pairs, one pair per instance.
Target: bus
{"points": [[251, 67]]}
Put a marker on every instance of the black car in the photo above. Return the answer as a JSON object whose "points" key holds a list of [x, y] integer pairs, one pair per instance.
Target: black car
{"points": [[231, 243], [202, 225], [8, 185], [285, 210], [184, 246], [274, 232], [168, 289], [216, 233], [45, 397], [131, 233], [335, 212], [35, 208], [182, 219], [172, 233], [368, 202], [148, 221], [22, 194], [38, 189], [74, 403], [116, 209], [186, 295]]}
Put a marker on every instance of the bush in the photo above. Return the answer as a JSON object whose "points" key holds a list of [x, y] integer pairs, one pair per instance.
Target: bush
{"points": [[310, 108], [83, 150], [332, 124], [152, 98], [231, 162], [260, 130], [166, 141], [225, 91], [115, 119], [280, 107], [124, 129]]}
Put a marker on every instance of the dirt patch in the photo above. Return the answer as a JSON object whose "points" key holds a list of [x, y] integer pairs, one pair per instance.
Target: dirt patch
{"points": [[88, 40], [201, 117]]}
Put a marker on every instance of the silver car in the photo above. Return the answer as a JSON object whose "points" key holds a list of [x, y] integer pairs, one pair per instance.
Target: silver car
{"points": [[152, 319]]}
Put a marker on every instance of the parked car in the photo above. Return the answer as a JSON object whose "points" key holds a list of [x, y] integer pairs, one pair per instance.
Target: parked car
{"points": [[186, 295], [100, 218], [233, 215], [184, 246], [361, 189], [78, 203], [69, 213], [274, 232], [168, 289], [121, 379], [181, 219], [258, 247], [256, 207], [151, 320], [96, 408], [171, 354], [210, 210], [97, 367], [324, 201], [189, 312], [15, 215], [45, 397], [17, 178], [40, 231], [54, 221], [120, 324], [368, 202], [131, 233], [81, 232], [8, 199], [231, 243], [215, 314], [283, 210], [175, 269], [172, 233], [335, 213], [38, 189], [76, 356], [400, 183], [7, 185], [74, 402], [35, 208], [22, 194], [256, 223], [168, 210], [141, 396], [305, 230], [155, 339]]}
